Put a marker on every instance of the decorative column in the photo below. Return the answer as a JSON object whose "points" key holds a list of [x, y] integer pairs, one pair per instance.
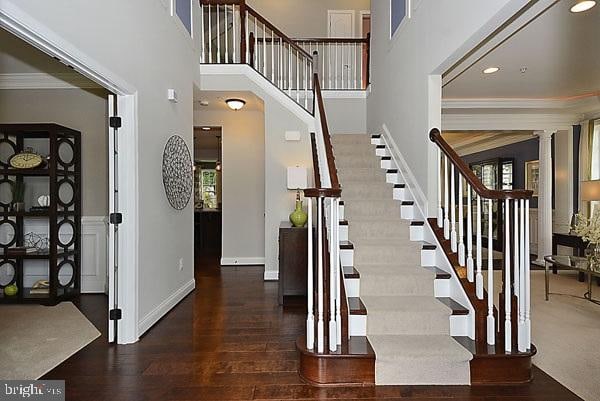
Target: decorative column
{"points": [[545, 196]]}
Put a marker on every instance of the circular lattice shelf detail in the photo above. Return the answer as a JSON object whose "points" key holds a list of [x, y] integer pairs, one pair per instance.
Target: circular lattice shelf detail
{"points": [[177, 171]]}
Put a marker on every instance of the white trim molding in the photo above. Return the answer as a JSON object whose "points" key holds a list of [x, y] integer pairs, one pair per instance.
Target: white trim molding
{"points": [[508, 121], [572, 105], [348, 94], [271, 275], [242, 261], [59, 80], [164, 307]]}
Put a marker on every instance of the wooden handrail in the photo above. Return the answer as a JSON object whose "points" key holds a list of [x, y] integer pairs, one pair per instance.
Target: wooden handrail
{"points": [[315, 157], [335, 183], [330, 40], [276, 31], [436, 137]]}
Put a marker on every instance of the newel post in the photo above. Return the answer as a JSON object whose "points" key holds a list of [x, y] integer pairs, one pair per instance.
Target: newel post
{"points": [[243, 31]]}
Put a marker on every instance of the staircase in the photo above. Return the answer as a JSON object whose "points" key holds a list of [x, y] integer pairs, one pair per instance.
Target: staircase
{"points": [[408, 328]]}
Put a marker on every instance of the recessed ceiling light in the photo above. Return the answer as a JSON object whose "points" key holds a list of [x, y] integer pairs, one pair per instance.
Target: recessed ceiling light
{"points": [[203, 102], [491, 70], [235, 104], [582, 6], [205, 128]]}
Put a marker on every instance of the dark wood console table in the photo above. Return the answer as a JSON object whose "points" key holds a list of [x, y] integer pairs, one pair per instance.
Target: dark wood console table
{"points": [[571, 241], [293, 260]]}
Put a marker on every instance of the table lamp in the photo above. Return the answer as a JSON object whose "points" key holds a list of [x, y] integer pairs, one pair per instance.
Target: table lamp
{"points": [[590, 191]]}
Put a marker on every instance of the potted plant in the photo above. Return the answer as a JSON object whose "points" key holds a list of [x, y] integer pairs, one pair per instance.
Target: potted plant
{"points": [[18, 196], [589, 230]]}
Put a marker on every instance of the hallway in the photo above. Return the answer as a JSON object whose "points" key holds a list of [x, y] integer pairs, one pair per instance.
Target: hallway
{"points": [[229, 340]]}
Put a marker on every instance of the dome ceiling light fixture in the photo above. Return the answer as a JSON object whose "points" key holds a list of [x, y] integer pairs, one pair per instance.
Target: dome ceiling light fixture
{"points": [[235, 104], [491, 70], [582, 5]]}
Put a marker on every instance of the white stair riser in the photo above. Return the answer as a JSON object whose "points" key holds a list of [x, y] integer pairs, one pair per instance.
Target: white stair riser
{"points": [[347, 257], [377, 141], [393, 178], [357, 325], [352, 287], [342, 212], [382, 152], [402, 194], [459, 325], [417, 233], [343, 233], [407, 212], [428, 257], [441, 288], [386, 164]]}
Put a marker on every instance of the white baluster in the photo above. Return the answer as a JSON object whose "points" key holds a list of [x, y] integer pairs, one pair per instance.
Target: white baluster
{"points": [[235, 33], [310, 319], [446, 200], [209, 36], [336, 65], [461, 230], [218, 36], [332, 283], [306, 84], [507, 290], [273, 58], [519, 256], [264, 36], [297, 77], [247, 37], [339, 274], [453, 242], [329, 71], [440, 214], [290, 70], [226, 36], [491, 323], [360, 63], [470, 267], [202, 44], [354, 69], [256, 48], [479, 275], [527, 282], [320, 325]]}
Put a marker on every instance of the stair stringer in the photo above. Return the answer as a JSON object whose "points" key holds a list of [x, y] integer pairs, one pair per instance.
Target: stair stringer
{"points": [[460, 325], [242, 77]]}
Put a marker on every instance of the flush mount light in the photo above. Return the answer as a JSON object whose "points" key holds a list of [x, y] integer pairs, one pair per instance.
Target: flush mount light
{"points": [[491, 70], [203, 103], [205, 128], [235, 104], [582, 5]]}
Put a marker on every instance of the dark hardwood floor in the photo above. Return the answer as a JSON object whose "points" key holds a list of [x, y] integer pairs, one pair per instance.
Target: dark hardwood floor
{"points": [[229, 340]]}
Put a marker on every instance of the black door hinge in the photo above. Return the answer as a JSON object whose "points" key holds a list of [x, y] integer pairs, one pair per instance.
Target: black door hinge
{"points": [[114, 122], [115, 218], [115, 314]]}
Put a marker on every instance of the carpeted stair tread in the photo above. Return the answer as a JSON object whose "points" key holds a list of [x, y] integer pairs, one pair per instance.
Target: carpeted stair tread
{"points": [[405, 303], [401, 347]]}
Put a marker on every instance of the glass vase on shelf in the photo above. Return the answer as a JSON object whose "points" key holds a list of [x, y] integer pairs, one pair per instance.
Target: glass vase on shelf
{"points": [[592, 253]]}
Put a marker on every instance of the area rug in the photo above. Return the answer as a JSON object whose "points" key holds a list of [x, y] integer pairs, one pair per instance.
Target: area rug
{"points": [[34, 339]]}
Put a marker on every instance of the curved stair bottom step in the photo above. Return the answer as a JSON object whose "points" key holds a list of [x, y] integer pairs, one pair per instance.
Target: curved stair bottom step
{"points": [[420, 360]]}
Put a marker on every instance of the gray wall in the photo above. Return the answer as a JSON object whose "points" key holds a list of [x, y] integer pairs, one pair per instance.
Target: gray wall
{"points": [[346, 116], [83, 110], [243, 180], [405, 71], [307, 18]]}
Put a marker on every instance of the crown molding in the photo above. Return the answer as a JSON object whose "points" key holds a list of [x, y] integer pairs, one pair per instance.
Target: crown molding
{"points": [[68, 80], [509, 121]]}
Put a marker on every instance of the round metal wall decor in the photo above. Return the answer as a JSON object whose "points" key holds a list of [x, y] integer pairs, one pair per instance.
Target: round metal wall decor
{"points": [[177, 171]]}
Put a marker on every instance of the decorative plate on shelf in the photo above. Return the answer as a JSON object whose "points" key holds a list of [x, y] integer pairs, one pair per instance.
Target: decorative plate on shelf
{"points": [[26, 159], [177, 172]]}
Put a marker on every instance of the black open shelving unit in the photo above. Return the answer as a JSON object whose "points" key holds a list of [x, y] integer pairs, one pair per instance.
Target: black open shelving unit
{"points": [[63, 170]]}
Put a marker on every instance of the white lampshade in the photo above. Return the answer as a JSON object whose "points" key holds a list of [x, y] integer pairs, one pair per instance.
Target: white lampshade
{"points": [[590, 190], [297, 177]]}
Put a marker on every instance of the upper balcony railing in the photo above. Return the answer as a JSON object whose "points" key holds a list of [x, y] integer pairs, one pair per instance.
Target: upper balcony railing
{"points": [[234, 33], [509, 324]]}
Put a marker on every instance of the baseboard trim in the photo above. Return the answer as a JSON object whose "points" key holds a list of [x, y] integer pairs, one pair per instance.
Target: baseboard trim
{"points": [[164, 307], [242, 261], [271, 275]]}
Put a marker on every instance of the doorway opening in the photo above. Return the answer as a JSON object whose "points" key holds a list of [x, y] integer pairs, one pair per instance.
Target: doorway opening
{"points": [[208, 190]]}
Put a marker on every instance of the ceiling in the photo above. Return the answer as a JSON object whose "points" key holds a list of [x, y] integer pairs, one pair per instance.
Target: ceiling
{"points": [[216, 100], [560, 51], [468, 142]]}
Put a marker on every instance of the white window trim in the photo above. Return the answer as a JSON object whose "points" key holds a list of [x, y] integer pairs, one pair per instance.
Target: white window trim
{"points": [[407, 16]]}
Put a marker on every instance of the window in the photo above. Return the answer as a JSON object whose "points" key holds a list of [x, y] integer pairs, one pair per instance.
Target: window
{"points": [[398, 10], [595, 172], [209, 188], [183, 9]]}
